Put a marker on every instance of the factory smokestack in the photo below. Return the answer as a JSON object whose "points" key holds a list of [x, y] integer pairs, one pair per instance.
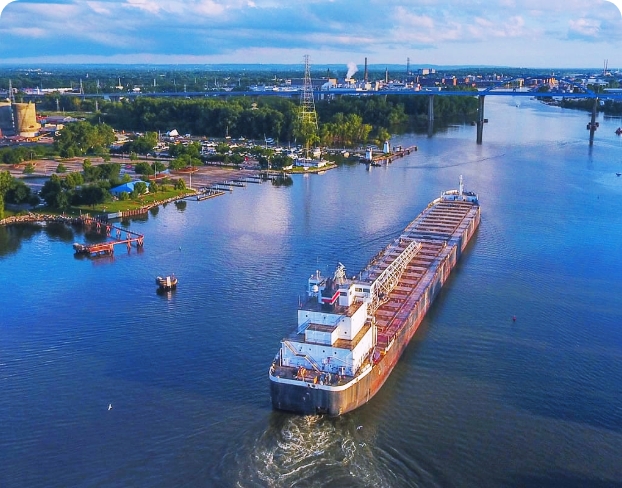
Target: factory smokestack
{"points": [[365, 76]]}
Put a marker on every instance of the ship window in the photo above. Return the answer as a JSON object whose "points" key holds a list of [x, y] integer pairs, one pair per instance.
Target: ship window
{"points": [[343, 293]]}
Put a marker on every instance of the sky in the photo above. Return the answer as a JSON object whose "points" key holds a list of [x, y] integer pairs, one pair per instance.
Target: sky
{"points": [[514, 33]]}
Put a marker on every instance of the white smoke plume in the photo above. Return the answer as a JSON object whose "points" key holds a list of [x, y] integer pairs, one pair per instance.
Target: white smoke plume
{"points": [[351, 69]]}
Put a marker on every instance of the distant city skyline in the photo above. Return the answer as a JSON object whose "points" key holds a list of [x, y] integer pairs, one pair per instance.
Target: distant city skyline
{"points": [[531, 34]]}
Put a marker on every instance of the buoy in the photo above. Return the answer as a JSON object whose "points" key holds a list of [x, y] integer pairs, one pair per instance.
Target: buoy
{"points": [[514, 318], [110, 406]]}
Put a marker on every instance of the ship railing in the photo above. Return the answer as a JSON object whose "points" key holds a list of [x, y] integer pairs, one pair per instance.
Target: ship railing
{"points": [[289, 346], [314, 364], [304, 326]]}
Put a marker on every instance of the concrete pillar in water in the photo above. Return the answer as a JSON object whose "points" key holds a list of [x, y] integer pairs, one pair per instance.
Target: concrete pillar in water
{"points": [[593, 121], [430, 108], [480, 119], [430, 115]]}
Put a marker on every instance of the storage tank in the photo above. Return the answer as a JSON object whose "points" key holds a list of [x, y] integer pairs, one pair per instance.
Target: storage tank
{"points": [[26, 124], [6, 117]]}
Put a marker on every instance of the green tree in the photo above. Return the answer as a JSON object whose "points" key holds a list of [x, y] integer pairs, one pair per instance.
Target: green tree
{"points": [[72, 180], [61, 168], [140, 187], [144, 144], [82, 138], [6, 180], [143, 169], [51, 190], [109, 171], [93, 195], [18, 192]]}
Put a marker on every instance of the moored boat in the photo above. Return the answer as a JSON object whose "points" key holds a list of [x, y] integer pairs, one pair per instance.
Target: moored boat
{"points": [[351, 332]]}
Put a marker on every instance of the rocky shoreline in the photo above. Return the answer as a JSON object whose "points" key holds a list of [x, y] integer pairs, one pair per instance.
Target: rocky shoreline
{"points": [[34, 217], [31, 218]]}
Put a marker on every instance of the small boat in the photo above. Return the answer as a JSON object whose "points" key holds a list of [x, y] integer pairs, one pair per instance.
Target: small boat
{"points": [[167, 282], [618, 174]]}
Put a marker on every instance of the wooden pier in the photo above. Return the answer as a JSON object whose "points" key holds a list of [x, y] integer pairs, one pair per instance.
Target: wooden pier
{"points": [[390, 157], [107, 248], [206, 193]]}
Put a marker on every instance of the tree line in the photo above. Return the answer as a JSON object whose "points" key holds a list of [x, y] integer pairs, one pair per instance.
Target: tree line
{"points": [[343, 120]]}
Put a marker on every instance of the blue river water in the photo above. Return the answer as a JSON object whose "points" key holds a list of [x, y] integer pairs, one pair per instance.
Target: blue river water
{"points": [[477, 400]]}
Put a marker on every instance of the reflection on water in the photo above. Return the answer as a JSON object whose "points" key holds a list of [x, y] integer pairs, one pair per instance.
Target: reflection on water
{"points": [[478, 400], [11, 237], [167, 294]]}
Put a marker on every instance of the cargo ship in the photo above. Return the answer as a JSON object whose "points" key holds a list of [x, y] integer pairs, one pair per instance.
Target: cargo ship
{"points": [[352, 331]]}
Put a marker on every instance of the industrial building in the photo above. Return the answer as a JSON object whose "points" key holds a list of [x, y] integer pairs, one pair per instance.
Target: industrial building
{"points": [[25, 117], [18, 119], [6, 118]]}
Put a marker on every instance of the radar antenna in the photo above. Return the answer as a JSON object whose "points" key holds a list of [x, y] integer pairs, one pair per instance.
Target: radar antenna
{"points": [[340, 274]]}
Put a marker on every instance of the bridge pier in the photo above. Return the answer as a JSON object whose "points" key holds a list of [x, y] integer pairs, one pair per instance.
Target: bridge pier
{"points": [[593, 121], [431, 108], [480, 119], [430, 115]]}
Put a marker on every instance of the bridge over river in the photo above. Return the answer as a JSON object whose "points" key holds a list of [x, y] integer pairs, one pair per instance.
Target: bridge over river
{"points": [[481, 94]]}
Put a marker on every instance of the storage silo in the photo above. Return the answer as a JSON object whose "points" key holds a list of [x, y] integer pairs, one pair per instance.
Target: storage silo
{"points": [[26, 124], [6, 118]]}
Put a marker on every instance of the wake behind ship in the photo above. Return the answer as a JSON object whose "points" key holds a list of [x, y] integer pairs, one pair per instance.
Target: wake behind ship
{"points": [[351, 332]]}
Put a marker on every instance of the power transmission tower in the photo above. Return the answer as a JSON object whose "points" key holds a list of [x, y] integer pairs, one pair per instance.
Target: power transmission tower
{"points": [[11, 93], [12, 99], [308, 115]]}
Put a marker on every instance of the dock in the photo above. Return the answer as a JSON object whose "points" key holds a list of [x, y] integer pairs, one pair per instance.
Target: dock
{"points": [[208, 192], [221, 187], [387, 158], [107, 248]]}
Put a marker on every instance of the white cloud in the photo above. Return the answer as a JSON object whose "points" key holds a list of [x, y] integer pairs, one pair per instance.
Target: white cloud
{"points": [[585, 27], [385, 29]]}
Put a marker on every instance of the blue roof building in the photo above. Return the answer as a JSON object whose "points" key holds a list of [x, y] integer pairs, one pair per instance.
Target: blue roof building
{"points": [[127, 187]]}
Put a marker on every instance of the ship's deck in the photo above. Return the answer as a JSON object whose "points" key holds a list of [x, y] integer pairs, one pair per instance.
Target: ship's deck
{"points": [[434, 228], [340, 343]]}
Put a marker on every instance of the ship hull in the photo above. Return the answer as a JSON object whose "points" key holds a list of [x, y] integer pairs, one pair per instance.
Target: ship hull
{"points": [[311, 398]]}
